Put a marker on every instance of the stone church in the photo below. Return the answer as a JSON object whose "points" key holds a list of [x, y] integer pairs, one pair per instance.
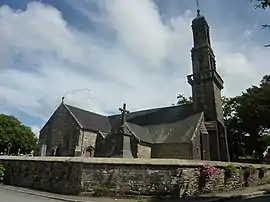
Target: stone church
{"points": [[190, 131]]}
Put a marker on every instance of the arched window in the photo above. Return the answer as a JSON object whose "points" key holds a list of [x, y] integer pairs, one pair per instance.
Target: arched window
{"points": [[89, 151]]}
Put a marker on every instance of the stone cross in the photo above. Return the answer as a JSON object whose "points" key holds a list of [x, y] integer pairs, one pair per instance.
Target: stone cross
{"points": [[124, 111], [63, 99]]}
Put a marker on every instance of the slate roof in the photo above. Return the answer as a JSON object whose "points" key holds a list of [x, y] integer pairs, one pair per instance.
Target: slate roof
{"points": [[142, 133], [160, 115], [180, 131], [90, 120], [156, 116], [159, 125]]}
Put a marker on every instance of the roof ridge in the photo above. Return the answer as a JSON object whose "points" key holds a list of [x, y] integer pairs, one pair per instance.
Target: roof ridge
{"points": [[67, 105], [148, 109], [74, 117], [128, 124]]}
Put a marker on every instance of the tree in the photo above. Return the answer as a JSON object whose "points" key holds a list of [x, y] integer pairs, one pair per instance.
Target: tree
{"points": [[262, 4], [18, 135], [181, 100], [233, 125], [265, 81], [253, 112]]}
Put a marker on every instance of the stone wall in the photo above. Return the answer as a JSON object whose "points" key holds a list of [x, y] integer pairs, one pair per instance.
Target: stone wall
{"points": [[86, 139], [144, 151], [89, 139], [60, 130], [118, 176], [179, 150], [52, 175]]}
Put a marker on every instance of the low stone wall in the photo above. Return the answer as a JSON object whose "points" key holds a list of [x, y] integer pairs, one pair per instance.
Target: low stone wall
{"points": [[52, 175], [117, 176]]}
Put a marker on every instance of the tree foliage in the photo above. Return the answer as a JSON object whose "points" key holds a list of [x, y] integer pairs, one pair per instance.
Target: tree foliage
{"points": [[18, 135], [262, 4], [254, 113], [234, 127], [181, 100]]}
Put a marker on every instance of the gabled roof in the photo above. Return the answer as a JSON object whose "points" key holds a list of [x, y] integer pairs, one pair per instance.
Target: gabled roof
{"points": [[159, 125], [180, 131], [156, 116], [177, 132], [140, 132], [90, 120]]}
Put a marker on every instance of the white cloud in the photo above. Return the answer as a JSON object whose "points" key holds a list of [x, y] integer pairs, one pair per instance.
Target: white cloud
{"points": [[145, 64], [135, 30]]}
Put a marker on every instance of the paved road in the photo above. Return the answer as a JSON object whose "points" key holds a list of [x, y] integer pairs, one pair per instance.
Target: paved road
{"points": [[13, 196], [258, 199]]}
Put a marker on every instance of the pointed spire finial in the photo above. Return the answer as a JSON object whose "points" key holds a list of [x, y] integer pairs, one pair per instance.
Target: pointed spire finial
{"points": [[198, 8], [63, 98]]}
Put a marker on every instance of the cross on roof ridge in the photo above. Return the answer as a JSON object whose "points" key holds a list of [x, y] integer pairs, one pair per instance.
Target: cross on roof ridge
{"points": [[124, 111]]}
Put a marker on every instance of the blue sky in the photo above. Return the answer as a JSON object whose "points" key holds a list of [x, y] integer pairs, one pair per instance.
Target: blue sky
{"points": [[101, 53]]}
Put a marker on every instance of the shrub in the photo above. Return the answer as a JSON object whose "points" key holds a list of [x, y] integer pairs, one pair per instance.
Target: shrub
{"points": [[250, 169], [205, 173], [229, 170], [101, 190], [247, 172], [2, 172], [262, 171]]}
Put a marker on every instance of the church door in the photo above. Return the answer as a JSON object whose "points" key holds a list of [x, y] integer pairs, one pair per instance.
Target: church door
{"points": [[89, 152]]}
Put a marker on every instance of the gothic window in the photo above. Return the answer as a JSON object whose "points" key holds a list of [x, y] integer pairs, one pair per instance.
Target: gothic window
{"points": [[200, 64], [79, 140], [67, 141], [198, 150], [196, 35]]}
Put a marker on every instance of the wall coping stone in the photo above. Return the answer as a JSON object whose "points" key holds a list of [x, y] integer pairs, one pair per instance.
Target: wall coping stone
{"points": [[135, 161]]}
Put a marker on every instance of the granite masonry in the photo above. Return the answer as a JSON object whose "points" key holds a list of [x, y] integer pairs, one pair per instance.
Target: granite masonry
{"points": [[118, 176]]}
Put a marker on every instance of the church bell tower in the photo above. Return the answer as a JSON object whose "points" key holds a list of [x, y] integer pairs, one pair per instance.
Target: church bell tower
{"points": [[206, 86]]}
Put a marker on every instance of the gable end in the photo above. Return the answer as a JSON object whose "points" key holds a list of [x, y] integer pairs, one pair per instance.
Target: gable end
{"points": [[58, 110]]}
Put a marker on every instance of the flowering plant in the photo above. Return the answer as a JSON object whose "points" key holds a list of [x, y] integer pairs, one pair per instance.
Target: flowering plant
{"points": [[2, 170], [207, 171]]}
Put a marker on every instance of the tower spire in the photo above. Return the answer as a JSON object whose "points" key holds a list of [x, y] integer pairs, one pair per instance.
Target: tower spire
{"points": [[198, 8], [206, 86]]}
